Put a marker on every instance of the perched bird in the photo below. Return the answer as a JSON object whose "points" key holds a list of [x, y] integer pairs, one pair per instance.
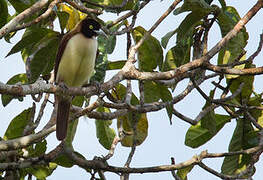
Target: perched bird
{"points": [[74, 66]]}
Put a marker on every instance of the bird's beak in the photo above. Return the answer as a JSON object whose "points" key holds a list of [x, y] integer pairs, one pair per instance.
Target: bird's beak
{"points": [[102, 33]]}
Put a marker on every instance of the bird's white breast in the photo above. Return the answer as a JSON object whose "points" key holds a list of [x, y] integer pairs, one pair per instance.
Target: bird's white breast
{"points": [[78, 61]]}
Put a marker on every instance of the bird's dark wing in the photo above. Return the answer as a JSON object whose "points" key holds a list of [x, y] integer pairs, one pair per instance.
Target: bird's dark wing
{"points": [[61, 48]]}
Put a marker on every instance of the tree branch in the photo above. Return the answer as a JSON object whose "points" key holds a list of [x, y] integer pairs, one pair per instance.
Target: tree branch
{"points": [[11, 25]]}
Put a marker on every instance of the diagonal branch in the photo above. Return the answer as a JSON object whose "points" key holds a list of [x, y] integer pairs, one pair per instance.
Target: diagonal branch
{"points": [[11, 25]]}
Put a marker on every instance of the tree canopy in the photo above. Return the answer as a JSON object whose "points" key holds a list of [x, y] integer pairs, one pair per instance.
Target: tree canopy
{"points": [[145, 80]]}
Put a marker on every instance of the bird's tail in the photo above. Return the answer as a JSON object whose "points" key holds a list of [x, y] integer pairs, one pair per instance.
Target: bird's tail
{"points": [[62, 118]]}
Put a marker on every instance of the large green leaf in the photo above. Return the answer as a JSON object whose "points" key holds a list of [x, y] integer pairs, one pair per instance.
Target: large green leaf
{"points": [[197, 135], [43, 59], [72, 128], [166, 96], [247, 87], [3, 13], [240, 141], [19, 78], [31, 36], [100, 68], [105, 134], [42, 171], [177, 56], [65, 161], [182, 173], [102, 59], [167, 37], [113, 65], [151, 91], [141, 128], [186, 28], [208, 121], [21, 5], [256, 113], [17, 125], [129, 120], [200, 6], [150, 53], [63, 18], [227, 19], [39, 149]]}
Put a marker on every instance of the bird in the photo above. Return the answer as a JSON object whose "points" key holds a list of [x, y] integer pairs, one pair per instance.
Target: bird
{"points": [[74, 66]]}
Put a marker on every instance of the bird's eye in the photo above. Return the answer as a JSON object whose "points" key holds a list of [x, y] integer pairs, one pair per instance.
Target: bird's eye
{"points": [[90, 26]]}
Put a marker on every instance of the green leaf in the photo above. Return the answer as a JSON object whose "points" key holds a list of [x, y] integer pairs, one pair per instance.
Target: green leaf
{"points": [[9, 36], [17, 125], [21, 5], [141, 128], [110, 41], [177, 56], [208, 121], [186, 28], [100, 68], [151, 91], [113, 65], [105, 134], [239, 141], [129, 120], [19, 78], [43, 60], [64, 161], [247, 88], [78, 101], [197, 135], [106, 44], [167, 37], [227, 19], [3, 13], [39, 149], [182, 173], [150, 53], [199, 6], [166, 95], [30, 37], [42, 171], [72, 128], [63, 19], [209, 1], [256, 113], [223, 3]]}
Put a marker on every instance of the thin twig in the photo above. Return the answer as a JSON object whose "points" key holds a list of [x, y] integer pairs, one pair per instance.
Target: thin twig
{"points": [[184, 118]]}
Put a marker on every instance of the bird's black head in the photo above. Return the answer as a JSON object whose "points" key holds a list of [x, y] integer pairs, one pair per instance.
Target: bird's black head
{"points": [[89, 27]]}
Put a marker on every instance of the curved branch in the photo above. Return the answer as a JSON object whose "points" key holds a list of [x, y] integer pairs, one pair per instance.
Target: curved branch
{"points": [[82, 8], [102, 165], [11, 25], [41, 17], [24, 141]]}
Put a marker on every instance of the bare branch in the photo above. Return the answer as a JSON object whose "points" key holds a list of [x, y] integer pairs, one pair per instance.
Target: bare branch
{"points": [[184, 118], [82, 8], [11, 25], [25, 140], [40, 18]]}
